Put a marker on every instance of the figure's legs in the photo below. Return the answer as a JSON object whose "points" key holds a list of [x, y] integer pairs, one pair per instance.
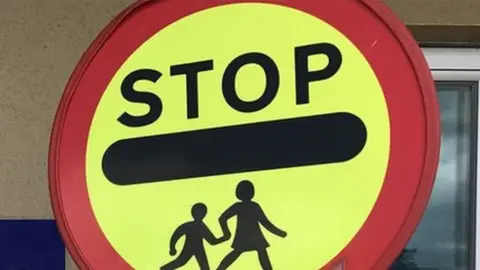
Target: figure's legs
{"points": [[202, 260], [264, 260], [229, 259], [180, 261]]}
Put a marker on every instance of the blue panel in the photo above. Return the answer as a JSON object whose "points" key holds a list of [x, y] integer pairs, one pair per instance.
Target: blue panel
{"points": [[31, 245]]}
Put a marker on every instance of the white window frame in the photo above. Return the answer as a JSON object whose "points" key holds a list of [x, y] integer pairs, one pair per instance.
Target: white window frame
{"points": [[460, 64]]}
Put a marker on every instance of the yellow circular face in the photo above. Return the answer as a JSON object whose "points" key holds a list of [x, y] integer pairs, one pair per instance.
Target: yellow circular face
{"points": [[320, 207]]}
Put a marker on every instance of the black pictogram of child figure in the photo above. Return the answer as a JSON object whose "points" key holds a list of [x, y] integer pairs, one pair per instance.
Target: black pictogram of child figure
{"points": [[195, 232], [248, 234]]}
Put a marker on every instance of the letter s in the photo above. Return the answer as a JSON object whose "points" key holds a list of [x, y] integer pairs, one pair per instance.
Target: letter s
{"points": [[152, 100]]}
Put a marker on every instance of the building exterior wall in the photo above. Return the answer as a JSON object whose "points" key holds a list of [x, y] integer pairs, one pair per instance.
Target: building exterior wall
{"points": [[441, 22], [41, 42]]}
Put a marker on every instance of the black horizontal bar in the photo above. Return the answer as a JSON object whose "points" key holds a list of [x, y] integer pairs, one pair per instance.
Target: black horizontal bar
{"points": [[313, 140]]}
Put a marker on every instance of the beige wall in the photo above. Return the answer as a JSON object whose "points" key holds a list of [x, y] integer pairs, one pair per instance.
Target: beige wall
{"points": [[40, 43], [435, 22], [442, 12]]}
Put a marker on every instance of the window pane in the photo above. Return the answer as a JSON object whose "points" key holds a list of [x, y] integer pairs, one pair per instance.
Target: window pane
{"points": [[444, 238]]}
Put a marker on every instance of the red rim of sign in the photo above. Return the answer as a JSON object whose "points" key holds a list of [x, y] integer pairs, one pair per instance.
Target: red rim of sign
{"points": [[408, 88]]}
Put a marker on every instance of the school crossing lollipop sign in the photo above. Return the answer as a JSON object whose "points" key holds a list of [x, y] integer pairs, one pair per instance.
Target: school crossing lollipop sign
{"points": [[272, 134]]}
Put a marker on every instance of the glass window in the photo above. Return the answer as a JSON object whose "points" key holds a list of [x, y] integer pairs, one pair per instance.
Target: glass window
{"points": [[444, 239]]}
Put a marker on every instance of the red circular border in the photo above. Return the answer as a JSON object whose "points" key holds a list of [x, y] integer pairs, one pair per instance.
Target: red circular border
{"points": [[413, 110]]}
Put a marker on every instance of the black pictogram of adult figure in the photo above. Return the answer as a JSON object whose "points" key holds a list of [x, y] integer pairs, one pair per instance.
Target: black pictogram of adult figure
{"points": [[195, 232], [248, 234]]}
